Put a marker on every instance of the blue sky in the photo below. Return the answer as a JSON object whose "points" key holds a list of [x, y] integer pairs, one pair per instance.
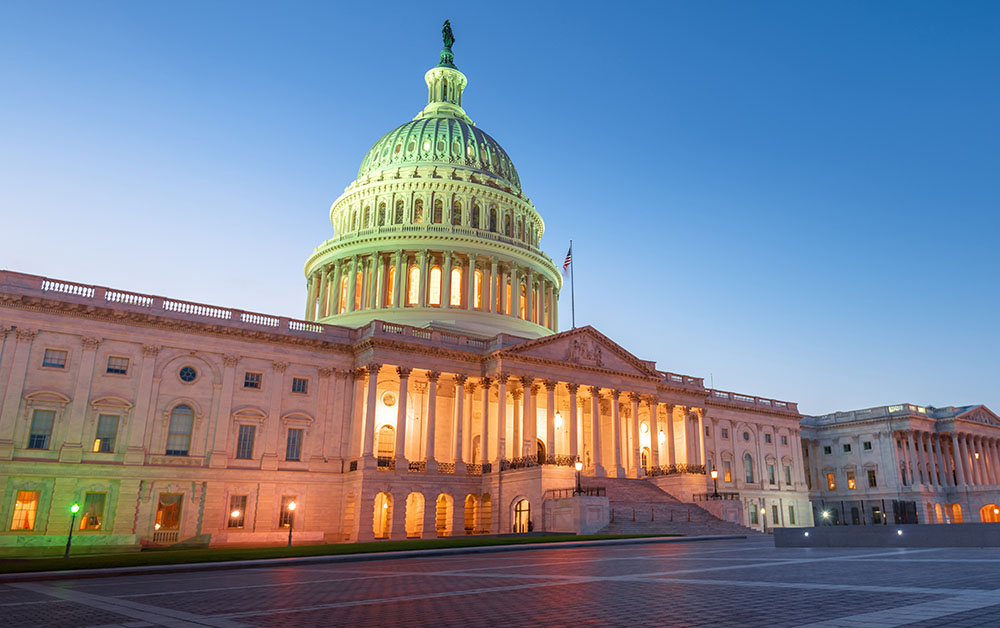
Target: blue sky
{"points": [[796, 200]]}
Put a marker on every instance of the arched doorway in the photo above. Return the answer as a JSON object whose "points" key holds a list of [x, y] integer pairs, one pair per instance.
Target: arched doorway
{"points": [[938, 513], [382, 515], [956, 513], [541, 452], [471, 513], [442, 519], [414, 515], [645, 457], [990, 513], [522, 516]]}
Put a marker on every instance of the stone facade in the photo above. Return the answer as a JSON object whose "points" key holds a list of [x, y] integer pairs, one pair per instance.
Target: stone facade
{"points": [[904, 464]]}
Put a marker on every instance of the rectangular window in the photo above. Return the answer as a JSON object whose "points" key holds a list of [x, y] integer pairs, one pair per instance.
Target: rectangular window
{"points": [[847, 448], [237, 511], [767, 438], [850, 481], [876, 514], [770, 474], [791, 515], [93, 511], [25, 509], [784, 440], [774, 514], [54, 358], [827, 449], [117, 366], [872, 481], [286, 515], [293, 447], [867, 445], [168, 511], [727, 471], [725, 433], [107, 430], [300, 385], [244, 442], [41, 429], [753, 514], [788, 475], [252, 380], [708, 431], [831, 481]]}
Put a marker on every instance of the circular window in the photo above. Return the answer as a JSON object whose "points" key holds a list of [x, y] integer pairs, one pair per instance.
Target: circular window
{"points": [[389, 399], [644, 428], [411, 146], [746, 435], [427, 145], [188, 374]]}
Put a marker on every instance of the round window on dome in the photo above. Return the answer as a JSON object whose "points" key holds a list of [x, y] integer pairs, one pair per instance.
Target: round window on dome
{"points": [[456, 148], [440, 146], [411, 146], [470, 150], [399, 147], [427, 145]]}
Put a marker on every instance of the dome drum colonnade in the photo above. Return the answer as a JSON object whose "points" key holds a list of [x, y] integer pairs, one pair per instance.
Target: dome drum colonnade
{"points": [[435, 231]]}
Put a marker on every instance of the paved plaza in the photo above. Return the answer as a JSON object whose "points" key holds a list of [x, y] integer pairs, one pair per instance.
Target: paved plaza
{"points": [[710, 583]]}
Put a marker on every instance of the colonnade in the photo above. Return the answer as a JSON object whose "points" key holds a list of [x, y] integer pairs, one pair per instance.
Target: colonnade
{"points": [[948, 459], [400, 279], [601, 426]]}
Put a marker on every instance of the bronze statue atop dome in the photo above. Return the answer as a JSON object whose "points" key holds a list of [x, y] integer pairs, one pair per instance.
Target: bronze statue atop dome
{"points": [[447, 57]]}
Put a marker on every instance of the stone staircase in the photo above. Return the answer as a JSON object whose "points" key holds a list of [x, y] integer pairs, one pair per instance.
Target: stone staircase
{"points": [[640, 507]]}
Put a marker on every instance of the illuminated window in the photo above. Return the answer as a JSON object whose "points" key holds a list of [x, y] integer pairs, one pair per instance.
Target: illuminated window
{"points": [[506, 298], [831, 482], [413, 293], [25, 509], [386, 441], [343, 294], [398, 217], [435, 287], [438, 212], [390, 286], [477, 290], [287, 515], [456, 213], [168, 511], [727, 471], [179, 433], [456, 287], [92, 515], [524, 304], [359, 287], [236, 517], [850, 480], [418, 210], [107, 429]]}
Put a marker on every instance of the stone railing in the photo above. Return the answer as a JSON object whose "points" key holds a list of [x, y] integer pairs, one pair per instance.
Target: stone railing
{"points": [[99, 296], [385, 463], [417, 466], [672, 469], [518, 463], [350, 237], [750, 400], [585, 491], [382, 329], [673, 379], [708, 497], [447, 468]]}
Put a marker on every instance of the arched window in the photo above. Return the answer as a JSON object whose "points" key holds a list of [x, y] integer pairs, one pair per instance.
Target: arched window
{"points": [[505, 306], [435, 287], [645, 457], [179, 432], [354, 220], [367, 220], [386, 442], [381, 214], [522, 517], [748, 467], [413, 291], [477, 290], [343, 295], [418, 210], [524, 303], [382, 515], [390, 285], [438, 212], [456, 287], [456, 213], [520, 229], [359, 287], [493, 219], [398, 217], [476, 210], [506, 225]]}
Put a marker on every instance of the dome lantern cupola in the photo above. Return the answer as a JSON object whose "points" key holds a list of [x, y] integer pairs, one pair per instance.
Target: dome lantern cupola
{"points": [[435, 232]]}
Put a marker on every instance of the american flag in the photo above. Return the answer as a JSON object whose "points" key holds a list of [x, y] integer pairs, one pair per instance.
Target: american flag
{"points": [[569, 258]]}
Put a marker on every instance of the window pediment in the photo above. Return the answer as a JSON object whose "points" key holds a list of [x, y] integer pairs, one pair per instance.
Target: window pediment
{"points": [[297, 417], [46, 397], [249, 414]]}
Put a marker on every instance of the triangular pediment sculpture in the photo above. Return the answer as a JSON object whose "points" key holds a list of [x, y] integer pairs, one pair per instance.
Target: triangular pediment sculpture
{"points": [[980, 414], [584, 347]]}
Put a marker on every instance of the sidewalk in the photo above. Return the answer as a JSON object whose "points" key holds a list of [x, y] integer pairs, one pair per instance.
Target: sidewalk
{"points": [[340, 558]]}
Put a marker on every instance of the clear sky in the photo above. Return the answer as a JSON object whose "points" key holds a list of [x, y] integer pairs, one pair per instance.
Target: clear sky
{"points": [[792, 199]]}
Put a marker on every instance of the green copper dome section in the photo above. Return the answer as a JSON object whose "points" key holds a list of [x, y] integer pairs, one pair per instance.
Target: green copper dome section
{"points": [[440, 141]]}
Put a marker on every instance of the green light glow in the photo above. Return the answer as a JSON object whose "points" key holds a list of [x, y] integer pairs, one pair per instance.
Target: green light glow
{"points": [[75, 508]]}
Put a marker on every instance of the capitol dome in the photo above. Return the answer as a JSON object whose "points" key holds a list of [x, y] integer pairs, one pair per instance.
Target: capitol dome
{"points": [[436, 232]]}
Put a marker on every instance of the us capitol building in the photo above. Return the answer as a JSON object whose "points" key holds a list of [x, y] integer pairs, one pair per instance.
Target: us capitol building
{"points": [[426, 392]]}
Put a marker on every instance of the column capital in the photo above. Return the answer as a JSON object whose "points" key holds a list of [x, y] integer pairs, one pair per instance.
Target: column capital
{"points": [[651, 400], [433, 376], [516, 394], [615, 393], [486, 382], [501, 378], [90, 343], [279, 367], [573, 388], [460, 379], [324, 371], [633, 396], [403, 371], [27, 335], [359, 373], [470, 387], [595, 391], [228, 359], [534, 388], [373, 367], [549, 384], [526, 381]]}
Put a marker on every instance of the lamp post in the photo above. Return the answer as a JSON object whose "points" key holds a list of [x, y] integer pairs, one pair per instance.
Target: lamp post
{"points": [[826, 517], [579, 468], [715, 483], [75, 508], [291, 519]]}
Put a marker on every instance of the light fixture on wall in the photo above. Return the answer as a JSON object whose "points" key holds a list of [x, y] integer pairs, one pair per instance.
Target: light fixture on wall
{"points": [[644, 428], [558, 420]]}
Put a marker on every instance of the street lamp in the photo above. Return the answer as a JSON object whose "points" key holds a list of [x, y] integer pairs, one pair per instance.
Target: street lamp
{"points": [[826, 517], [291, 519], [579, 468], [715, 483], [75, 508]]}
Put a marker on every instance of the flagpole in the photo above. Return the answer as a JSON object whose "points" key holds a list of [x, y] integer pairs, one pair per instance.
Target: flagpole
{"points": [[572, 287]]}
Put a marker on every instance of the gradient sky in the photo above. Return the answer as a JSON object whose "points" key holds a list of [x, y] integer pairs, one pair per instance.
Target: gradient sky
{"points": [[796, 200]]}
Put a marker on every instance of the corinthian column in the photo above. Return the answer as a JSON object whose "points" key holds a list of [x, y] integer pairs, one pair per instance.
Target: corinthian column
{"points": [[639, 471], [595, 431], [574, 419], [616, 433], [432, 464], [402, 465], [459, 421]]}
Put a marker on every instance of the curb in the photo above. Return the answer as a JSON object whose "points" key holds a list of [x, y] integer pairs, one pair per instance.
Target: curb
{"points": [[342, 558]]}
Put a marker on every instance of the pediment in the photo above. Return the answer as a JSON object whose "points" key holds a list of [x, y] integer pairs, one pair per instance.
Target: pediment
{"points": [[980, 414], [584, 347]]}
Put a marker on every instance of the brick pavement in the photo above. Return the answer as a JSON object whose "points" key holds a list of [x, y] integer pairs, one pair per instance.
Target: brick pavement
{"points": [[719, 583]]}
